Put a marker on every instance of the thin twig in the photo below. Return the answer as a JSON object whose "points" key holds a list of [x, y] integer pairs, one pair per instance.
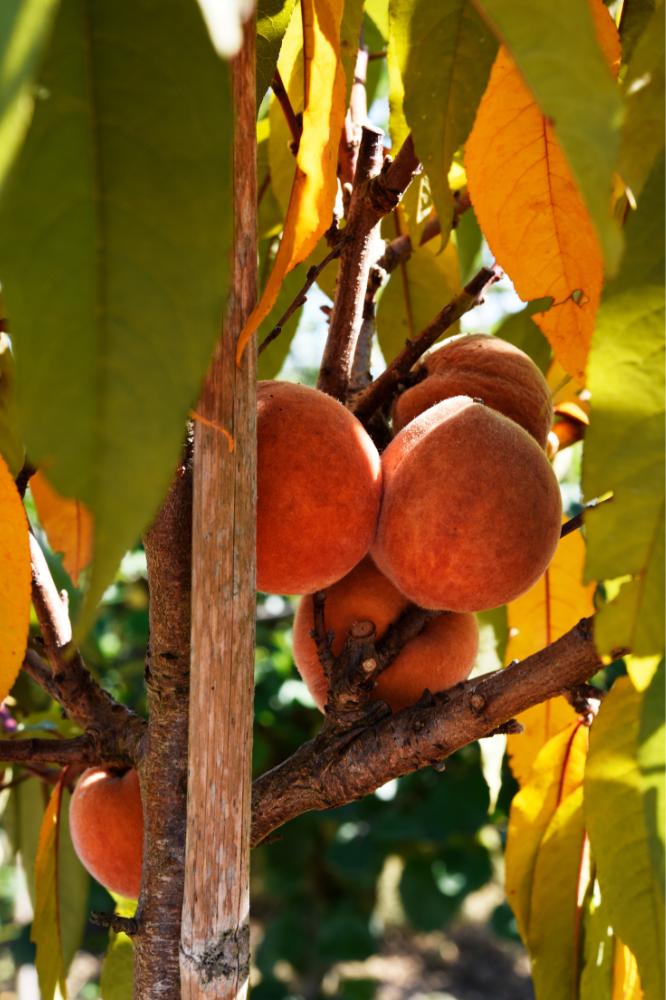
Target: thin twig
{"points": [[294, 121], [383, 388], [116, 923], [301, 297], [578, 519]]}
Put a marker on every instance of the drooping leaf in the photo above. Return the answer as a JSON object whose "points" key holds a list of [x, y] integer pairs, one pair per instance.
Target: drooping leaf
{"points": [[281, 157], [553, 938], [566, 72], [27, 810], [626, 981], [45, 930], [444, 52], [624, 448], [469, 241], [549, 609], [556, 775], [530, 208], [597, 958], [416, 292], [624, 811], [114, 256], [14, 581], [117, 978], [643, 135], [315, 182], [350, 33], [67, 524], [634, 18], [25, 26], [74, 881], [272, 21], [11, 445]]}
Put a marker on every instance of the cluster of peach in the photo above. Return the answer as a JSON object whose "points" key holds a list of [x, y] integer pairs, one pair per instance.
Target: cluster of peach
{"points": [[461, 513]]}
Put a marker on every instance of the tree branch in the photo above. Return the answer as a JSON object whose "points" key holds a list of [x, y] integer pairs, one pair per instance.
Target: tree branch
{"points": [[378, 187], [78, 750], [382, 390], [336, 768], [116, 730]]}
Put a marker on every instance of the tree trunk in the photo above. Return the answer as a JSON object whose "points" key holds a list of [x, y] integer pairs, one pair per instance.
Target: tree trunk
{"points": [[215, 926]]}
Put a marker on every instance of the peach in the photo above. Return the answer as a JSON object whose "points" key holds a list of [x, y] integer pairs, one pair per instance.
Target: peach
{"points": [[318, 489], [106, 824], [436, 659], [471, 512], [486, 368]]}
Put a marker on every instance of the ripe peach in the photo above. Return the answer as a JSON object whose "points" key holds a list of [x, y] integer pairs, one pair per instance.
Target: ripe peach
{"points": [[439, 657], [106, 824], [318, 489], [471, 511], [487, 368]]}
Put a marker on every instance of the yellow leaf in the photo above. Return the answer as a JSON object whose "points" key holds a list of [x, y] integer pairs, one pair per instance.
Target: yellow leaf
{"points": [[557, 773], [530, 209], [67, 523], [642, 669], [14, 581], [46, 924], [553, 606], [315, 182], [626, 981]]}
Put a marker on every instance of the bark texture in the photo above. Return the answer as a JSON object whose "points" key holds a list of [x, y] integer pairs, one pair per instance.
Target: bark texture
{"points": [[215, 926], [163, 762]]}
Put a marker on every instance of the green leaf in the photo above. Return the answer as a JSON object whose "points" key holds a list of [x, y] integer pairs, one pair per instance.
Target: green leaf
{"points": [[350, 33], [117, 978], [416, 292], [45, 930], [624, 807], [643, 135], [11, 445], [444, 53], [24, 32], [553, 929], [596, 977], [624, 446], [75, 883], [114, 256], [469, 241], [270, 361], [28, 809], [566, 71], [272, 20], [635, 16], [520, 330]]}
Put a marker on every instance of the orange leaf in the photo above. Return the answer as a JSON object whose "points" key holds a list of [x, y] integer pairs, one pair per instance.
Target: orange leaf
{"points": [[46, 923], [67, 523], [14, 581], [552, 606], [315, 182], [530, 209]]}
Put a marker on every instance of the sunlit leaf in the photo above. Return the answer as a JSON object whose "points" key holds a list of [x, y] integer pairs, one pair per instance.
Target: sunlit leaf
{"points": [[67, 524], [117, 978], [643, 136], [598, 946], [549, 609], [624, 448], [25, 26], [272, 21], [530, 208], [46, 922], [314, 186], [626, 980], [11, 445], [444, 52], [114, 256], [520, 329], [14, 581], [416, 292], [624, 809], [562, 66], [556, 775], [75, 883]]}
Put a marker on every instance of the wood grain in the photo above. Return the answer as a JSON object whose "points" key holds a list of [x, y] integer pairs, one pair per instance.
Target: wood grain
{"points": [[214, 955]]}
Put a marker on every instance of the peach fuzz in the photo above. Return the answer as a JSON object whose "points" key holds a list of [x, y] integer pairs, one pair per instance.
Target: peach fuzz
{"points": [[106, 824], [439, 657], [471, 512], [487, 368], [318, 489]]}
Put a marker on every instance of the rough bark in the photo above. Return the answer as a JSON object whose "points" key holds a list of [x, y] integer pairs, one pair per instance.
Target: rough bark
{"points": [[215, 925], [336, 768], [163, 763]]}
